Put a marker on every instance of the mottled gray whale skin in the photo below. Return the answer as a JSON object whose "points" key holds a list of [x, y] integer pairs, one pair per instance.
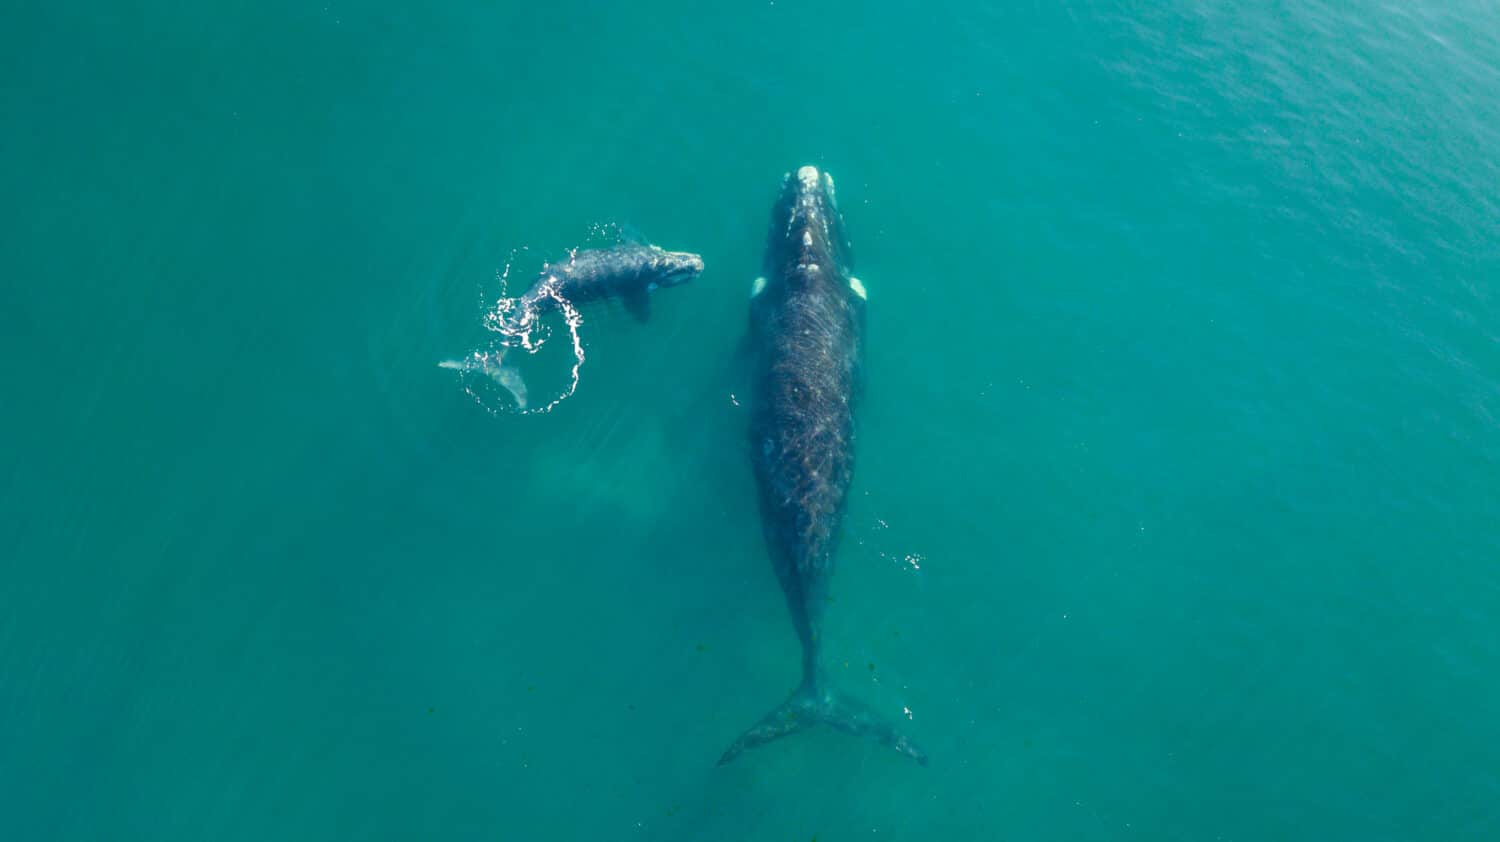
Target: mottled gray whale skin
{"points": [[807, 316], [629, 272]]}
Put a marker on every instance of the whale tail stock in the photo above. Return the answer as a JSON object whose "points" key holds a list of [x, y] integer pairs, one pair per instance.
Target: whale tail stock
{"points": [[816, 704], [498, 370]]}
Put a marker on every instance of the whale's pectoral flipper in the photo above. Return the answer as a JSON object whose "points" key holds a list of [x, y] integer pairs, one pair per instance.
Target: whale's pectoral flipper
{"points": [[639, 305], [811, 706], [497, 369], [631, 235]]}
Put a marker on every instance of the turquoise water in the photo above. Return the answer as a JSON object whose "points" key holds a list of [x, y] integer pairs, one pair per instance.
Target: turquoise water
{"points": [[1176, 512]]}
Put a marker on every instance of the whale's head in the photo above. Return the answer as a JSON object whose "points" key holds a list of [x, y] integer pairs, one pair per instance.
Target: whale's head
{"points": [[807, 229], [670, 268]]}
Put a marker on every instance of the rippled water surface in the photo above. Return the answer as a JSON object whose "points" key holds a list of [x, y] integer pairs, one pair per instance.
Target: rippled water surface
{"points": [[1176, 512]]}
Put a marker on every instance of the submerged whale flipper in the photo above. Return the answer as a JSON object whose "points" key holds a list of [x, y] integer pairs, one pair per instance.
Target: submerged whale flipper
{"points": [[813, 706], [495, 366], [639, 305], [631, 235]]}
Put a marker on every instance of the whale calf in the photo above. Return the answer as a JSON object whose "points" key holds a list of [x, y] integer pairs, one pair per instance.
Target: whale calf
{"points": [[807, 315], [629, 271]]}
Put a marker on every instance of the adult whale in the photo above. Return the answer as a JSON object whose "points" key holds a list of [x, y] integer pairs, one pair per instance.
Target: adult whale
{"points": [[807, 317]]}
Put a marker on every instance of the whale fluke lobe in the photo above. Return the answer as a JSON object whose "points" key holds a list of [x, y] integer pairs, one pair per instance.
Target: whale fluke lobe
{"points": [[811, 706], [495, 367]]}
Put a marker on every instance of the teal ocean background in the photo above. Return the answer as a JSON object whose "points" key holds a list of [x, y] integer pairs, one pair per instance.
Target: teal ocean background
{"points": [[1176, 512]]}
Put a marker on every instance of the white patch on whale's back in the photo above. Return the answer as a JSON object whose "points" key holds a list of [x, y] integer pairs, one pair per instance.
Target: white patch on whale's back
{"points": [[858, 286], [758, 287]]}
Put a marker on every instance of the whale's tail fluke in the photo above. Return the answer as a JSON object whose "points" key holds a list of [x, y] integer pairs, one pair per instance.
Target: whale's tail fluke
{"points": [[496, 368], [813, 705]]}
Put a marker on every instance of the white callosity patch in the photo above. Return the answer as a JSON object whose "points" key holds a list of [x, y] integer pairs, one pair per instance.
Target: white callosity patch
{"points": [[808, 176], [758, 287], [858, 286]]}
